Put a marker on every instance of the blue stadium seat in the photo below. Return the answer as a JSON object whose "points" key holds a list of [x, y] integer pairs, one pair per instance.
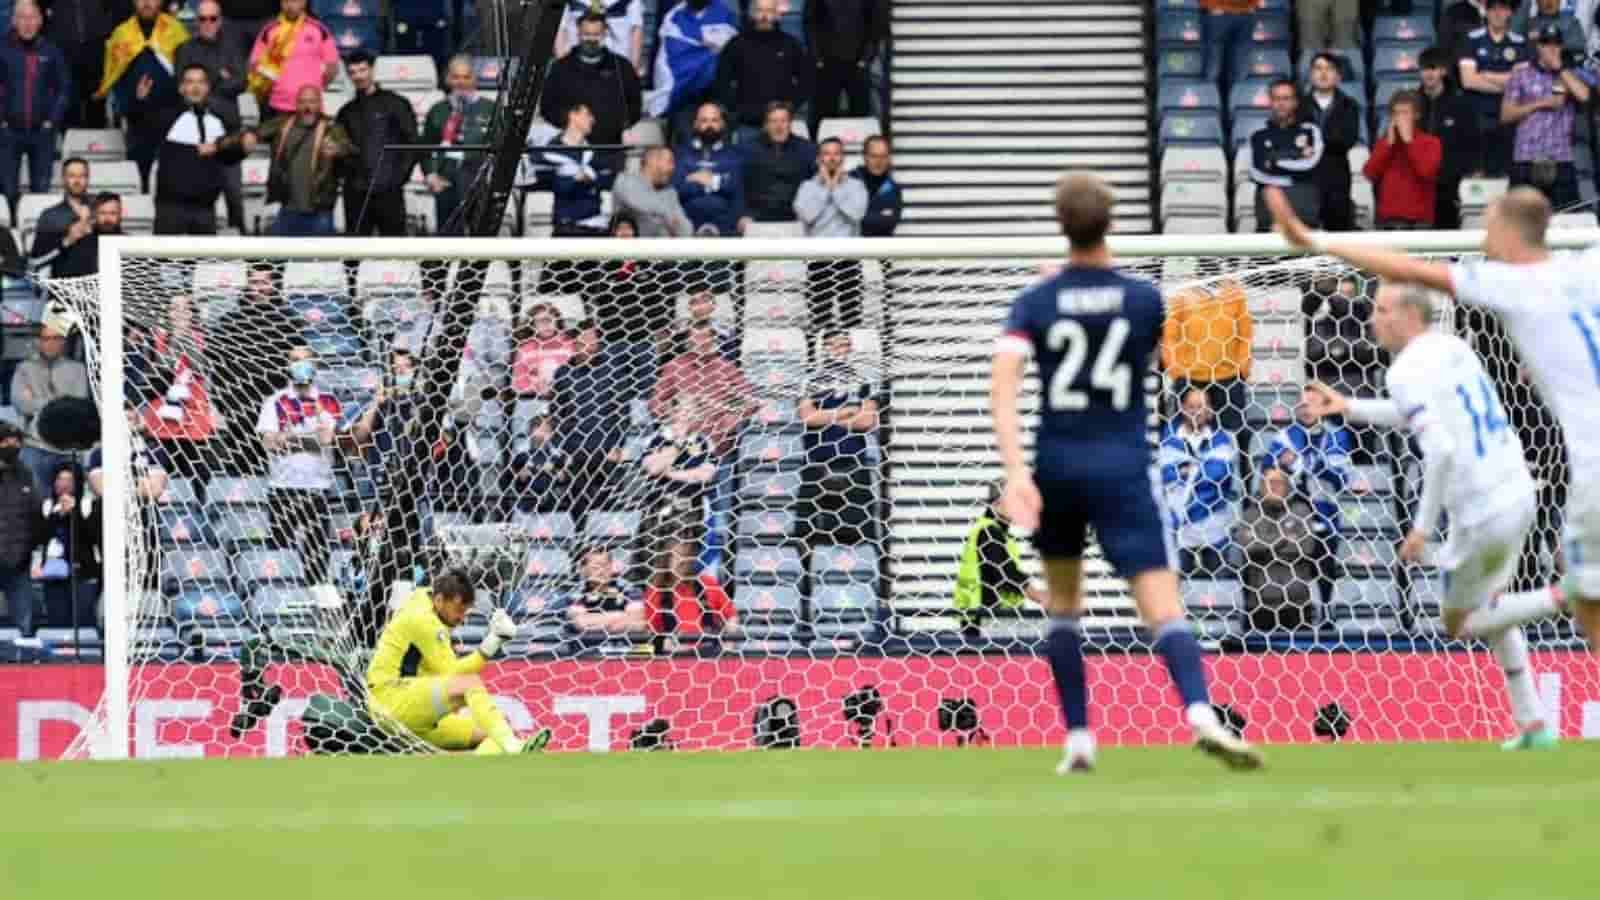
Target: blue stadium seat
{"points": [[1191, 97], [1270, 29], [547, 562], [1181, 64], [767, 565], [351, 34], [1245, 122], [767, 488], [853, 563], [1276, 6], [1262, 62], [1388, 87], [1410, 29], [489, 69], [767, 526], [242, 527], [214, 603], [783, 451], [1180, 31], [1192, 129], [1398, 59], [237, 492], [1252, 93], [617, 526], [552, 527], [1164, 7], [183, 527], [258, 568], [195, 568]]}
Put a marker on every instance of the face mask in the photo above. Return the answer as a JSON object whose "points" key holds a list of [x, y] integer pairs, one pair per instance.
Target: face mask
{"points": [[302, 372], [591, 53], [403, 382], [8, 455]]}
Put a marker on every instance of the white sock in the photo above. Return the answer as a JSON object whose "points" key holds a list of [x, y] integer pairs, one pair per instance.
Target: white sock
{"points": [[1511, 652], [1201, 715], [1510, 610], [1080, 742]]}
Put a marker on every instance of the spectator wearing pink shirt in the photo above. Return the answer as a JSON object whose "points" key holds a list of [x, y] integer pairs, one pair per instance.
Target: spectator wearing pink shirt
{"points": [[292, 51], [540, 354]]}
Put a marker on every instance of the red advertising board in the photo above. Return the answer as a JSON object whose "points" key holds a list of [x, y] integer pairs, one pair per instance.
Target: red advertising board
{"points": [[184, 710]]}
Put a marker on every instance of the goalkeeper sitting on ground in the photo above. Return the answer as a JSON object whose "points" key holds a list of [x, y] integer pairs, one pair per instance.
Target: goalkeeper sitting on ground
{"points": [[416, 680]]}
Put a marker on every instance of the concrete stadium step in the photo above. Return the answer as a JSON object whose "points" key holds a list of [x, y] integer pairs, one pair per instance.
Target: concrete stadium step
{"points": [[1044, 12], [1016, 46], [1106, 66], [1096, 131], [1040, 177], [955, 77], [1082, 98], [1077, 26], [1103, 115]]}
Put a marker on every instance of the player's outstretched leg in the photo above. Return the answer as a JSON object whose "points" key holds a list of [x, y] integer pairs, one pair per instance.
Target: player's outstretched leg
{"points": [[1156, 593], [469, 690], [1511, 652], [1064, 649]]}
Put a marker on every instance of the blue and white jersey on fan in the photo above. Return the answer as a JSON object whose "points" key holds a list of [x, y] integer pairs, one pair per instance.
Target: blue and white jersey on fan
{"points": [[1551, 311]]}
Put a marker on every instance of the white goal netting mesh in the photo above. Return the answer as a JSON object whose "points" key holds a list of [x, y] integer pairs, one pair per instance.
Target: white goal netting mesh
{"points": [[742, 503]]}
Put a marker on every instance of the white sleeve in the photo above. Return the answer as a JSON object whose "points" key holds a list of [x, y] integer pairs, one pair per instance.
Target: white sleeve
{"points": [[267, 421], [1381, 411], [1437, 449], [1492, 285]]}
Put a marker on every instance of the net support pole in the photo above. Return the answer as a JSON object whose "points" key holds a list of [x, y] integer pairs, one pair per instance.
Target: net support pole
{"points": [[116, 467]]}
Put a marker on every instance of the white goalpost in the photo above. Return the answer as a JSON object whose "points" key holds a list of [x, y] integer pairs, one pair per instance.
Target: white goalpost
{"points": [[749, 477]]}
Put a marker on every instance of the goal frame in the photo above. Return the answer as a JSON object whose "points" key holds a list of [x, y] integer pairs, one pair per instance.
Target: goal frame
{"points": [[109, 737]]}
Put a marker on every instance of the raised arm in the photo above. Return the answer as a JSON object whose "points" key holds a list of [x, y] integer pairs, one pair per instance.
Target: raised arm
{"points": [[1384, 263]]}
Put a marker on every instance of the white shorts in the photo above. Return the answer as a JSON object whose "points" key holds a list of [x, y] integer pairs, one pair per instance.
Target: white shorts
{"points": [[1480, 560], [1581, 544]]}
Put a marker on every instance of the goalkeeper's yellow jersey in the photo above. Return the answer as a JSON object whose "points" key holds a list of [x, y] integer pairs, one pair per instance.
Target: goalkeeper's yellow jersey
{"points": [[417, 643]]}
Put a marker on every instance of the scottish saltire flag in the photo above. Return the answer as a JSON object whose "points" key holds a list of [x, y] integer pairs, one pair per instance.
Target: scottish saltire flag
{"points": [[686, 57]]}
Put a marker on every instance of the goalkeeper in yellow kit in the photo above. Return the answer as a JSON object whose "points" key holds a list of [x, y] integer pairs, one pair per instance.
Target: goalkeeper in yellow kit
{"points": [[416, 681]]}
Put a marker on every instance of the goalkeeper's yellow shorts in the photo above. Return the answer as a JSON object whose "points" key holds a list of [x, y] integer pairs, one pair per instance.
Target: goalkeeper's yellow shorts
{"points": [[419, 706]]}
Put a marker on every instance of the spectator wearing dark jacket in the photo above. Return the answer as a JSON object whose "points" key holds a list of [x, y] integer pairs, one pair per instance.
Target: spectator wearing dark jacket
{"points": [[375, 176], [1404, 168], [22, 526], [883, 194], [1449, 115], [1276, 536], [139, 72], [760, 67], [1340, 120], [710, 174], [55, 233], [80, 29], [577, 176], [598, 78], [197, 144], [844, 37], [226, 60], [36, 86], [775, 165]]}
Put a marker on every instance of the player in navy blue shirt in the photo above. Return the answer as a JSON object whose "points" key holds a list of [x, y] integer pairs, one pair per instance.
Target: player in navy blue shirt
{"points": [[1093, 332]]}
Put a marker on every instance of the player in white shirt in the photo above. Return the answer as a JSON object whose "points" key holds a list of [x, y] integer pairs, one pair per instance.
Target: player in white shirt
{"points": [[1473, 469]]}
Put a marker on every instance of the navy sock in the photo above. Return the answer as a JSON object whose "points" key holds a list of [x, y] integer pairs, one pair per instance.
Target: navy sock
{"points": [[1176, 643], [1064, 646]]}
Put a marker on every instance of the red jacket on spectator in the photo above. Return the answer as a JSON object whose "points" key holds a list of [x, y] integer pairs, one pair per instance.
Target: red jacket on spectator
{"points": [[1404, 177], [726, 396]]}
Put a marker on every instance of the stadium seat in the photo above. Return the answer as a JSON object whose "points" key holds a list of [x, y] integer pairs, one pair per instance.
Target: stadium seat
{"points": [[611, 526], [179, 492], [778, 414], [1183, 162], [546, 563], [1370, 515], [178, 527], [1262, 62], [551, 527], [1245, 122], [767, 603], [842, 603], [490, 68], [195, 568], [1192, 97], [29, 208], [1195, 225], [1252, 93], [1397, 59], [422, 101], [768, 565], [766, 526], [1193, 199], [1202, 129], [355, 33], [283, 601], [138, 213], [768, 488], [376, 278], [1180, 65], [778, 451], [1273, 405], [1181, 30], [853, 563], [1364, 598], [1215, 605], [117, 176], [1412, 29], [407, 73], [852, 131], [1270, 29], [237, 491], [94, 145], [1166, 7], [1360, 553], [317, 278], [215, 604], [255, 568]]}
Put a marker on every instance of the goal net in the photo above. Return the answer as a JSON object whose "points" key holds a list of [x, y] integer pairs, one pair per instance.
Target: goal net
{"points": [[734, 494]]}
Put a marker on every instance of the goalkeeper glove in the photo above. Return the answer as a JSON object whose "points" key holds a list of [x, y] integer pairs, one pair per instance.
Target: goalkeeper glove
{"points": [[501, 629]]}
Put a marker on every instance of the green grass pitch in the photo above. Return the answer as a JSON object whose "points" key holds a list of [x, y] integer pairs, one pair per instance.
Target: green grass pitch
{"points": [[1366, 822]]}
